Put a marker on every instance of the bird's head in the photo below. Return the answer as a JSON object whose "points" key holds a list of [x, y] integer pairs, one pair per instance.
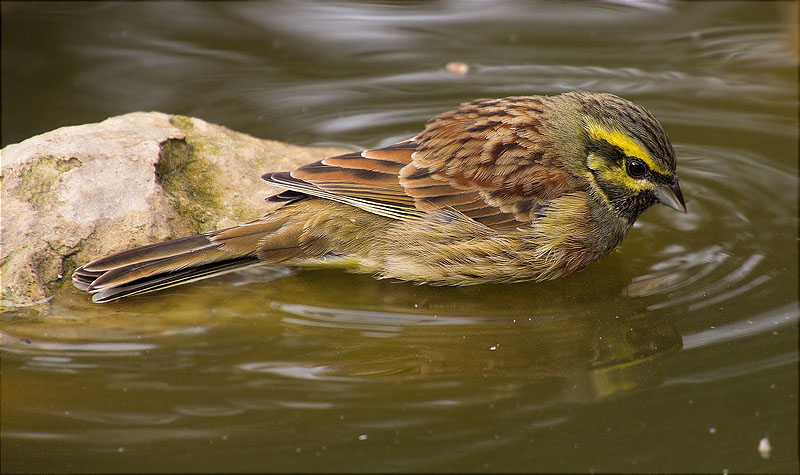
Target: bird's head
{"points": [[629, 159]]}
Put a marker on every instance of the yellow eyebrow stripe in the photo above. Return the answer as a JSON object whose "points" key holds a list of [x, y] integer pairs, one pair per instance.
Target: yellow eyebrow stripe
{"points": [[624, 142]]}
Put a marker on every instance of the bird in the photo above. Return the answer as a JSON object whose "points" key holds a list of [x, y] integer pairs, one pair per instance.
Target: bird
{"points": [[522, 188]]}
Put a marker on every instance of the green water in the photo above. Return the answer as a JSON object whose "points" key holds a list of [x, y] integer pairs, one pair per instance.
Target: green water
{"points": [[678, 352]]}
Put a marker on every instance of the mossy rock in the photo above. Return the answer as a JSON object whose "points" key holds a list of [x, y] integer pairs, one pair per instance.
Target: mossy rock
{"points": [[78, 193]]}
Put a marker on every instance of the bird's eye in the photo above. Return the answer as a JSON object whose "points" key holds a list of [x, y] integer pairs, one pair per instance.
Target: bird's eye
{"points": [[636, 168]]}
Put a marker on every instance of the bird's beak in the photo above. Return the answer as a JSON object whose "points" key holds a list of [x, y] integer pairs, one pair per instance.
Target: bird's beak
{"points": [[671, 196]]}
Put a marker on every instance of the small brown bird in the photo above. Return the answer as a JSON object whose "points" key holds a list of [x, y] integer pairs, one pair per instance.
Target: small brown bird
{"points": [[499, 190]]}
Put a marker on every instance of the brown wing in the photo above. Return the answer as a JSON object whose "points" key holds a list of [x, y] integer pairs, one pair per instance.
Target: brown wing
{"points": [[367, 180], [487, 159]]}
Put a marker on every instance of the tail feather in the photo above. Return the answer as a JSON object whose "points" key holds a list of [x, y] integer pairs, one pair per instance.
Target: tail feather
{"points": [[147, 253], [171, 279], [162, 265], [153, 268], [275, 239], [82, 278]]}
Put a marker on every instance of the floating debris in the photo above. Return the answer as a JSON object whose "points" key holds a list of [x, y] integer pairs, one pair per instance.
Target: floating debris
{"points": [[457, 69], [764, 448]]}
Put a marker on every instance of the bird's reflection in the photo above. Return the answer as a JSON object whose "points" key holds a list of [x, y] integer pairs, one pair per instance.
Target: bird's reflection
{"points": [[472, 332]]}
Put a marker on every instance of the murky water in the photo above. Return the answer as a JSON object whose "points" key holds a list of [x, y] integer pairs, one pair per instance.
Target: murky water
{"points": [[676, 353]]}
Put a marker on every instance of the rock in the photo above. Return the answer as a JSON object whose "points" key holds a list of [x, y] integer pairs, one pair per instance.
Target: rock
{"points": [[78, 193]]}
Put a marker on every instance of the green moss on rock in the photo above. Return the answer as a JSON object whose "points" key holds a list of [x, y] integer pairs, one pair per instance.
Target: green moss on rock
{"points": [[38, 180], [188, 182]]}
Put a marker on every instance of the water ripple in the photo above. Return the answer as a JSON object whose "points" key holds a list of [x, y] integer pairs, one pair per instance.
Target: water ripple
{"points": [[758, 324], [374, 321]]}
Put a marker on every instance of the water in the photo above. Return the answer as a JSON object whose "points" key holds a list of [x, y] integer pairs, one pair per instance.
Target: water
{"points": [[678, 352]]}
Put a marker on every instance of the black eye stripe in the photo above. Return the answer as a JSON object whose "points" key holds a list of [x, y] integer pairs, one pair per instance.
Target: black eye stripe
{"points": [[615, 154], [607, 150]]}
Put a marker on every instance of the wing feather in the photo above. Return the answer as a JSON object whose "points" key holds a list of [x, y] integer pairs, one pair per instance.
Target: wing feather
{"points": [[489, 160]]}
